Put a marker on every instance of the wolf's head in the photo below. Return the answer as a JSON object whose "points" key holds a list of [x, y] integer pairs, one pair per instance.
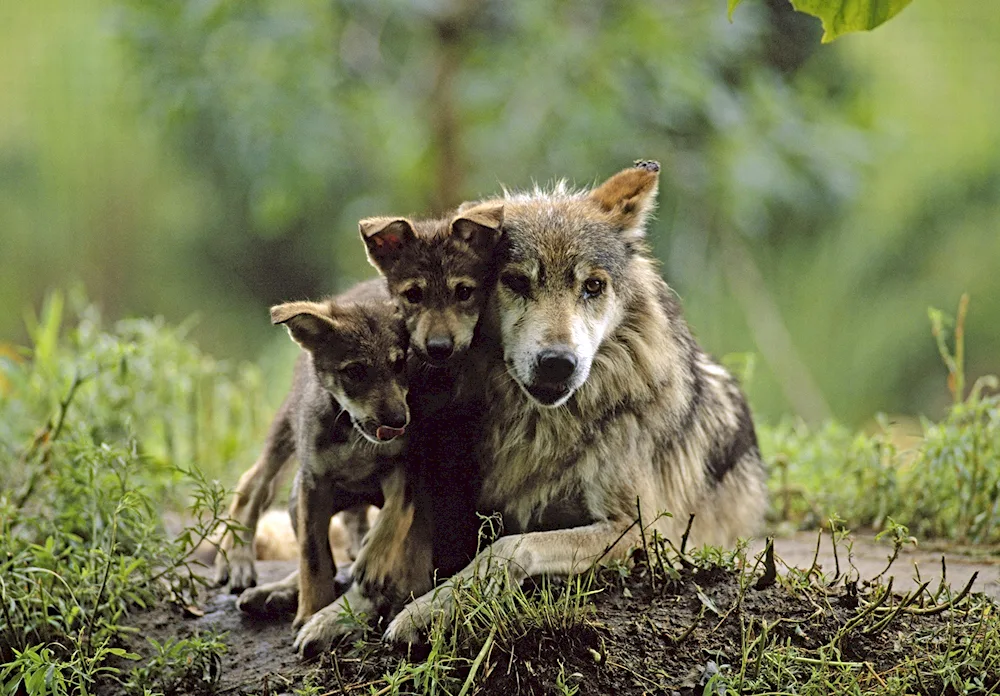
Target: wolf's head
{"points": [[440, 271], [564, 277], [359, 356]]}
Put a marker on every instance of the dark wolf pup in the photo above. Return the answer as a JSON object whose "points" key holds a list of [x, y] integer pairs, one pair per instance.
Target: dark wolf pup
{"points": [[598, 397], [440, 272]]}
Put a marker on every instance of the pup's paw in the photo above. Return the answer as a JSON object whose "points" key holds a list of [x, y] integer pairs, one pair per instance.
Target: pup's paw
{"points": [[331, 623], [648, 165], [269, 600], [221, 576], [242, 573]]}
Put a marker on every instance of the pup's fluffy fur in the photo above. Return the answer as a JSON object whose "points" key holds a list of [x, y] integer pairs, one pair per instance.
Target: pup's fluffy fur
{"points": [[439, 275]]}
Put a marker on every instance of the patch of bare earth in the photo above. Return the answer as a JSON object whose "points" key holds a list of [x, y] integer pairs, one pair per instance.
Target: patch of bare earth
{"points": [[643, 635]]}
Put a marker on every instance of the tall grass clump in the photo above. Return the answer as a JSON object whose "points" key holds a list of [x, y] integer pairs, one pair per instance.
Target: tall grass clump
{"points": [[947, 484], [105, 431]]}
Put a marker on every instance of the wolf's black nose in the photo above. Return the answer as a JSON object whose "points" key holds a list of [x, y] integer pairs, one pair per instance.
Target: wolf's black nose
{"points": [[440, 347], [555, 365]]}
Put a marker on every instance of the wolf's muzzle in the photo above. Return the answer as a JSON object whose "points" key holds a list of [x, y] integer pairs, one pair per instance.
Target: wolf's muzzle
{"points": [[555, 366], [553, 375]]}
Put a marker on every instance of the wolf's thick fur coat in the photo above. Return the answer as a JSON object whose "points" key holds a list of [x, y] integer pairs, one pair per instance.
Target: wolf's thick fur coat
{"points": [[646, 421]]}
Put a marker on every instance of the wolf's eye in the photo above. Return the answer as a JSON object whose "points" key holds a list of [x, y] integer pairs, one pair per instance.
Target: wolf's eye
{"points": [[413, 294], [593, 287], [463, 292], [354, 372], [517, 283], [399, 365]]}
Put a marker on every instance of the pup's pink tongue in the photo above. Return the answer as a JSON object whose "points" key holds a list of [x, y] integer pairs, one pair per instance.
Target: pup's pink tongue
{"points": [[385, 433]]}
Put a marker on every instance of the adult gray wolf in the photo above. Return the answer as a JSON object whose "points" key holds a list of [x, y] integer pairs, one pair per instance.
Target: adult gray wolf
{"points": [[599, 400]]}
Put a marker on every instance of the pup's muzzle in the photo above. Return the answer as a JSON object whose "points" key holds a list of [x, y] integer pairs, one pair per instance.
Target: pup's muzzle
{"points": [[386, 433]]}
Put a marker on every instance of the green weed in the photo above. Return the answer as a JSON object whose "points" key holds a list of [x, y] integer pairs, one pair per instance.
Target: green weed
{"points": [[947, 485], [188, 666], [102, 433]]}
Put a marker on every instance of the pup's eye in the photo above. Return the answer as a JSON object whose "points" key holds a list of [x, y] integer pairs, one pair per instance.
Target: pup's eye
{"points": [[517, 283], [399, 366], [414, 294], [355, 372], [593, 287], [463, 292]]}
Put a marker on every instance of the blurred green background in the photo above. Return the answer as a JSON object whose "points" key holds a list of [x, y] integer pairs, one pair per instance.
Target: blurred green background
{"points": [[214, 156]]}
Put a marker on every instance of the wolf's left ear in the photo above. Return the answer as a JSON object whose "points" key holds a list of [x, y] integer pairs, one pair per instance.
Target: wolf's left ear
{"points": [[384, 238], [479, 226], [630, 196], [310, 324]]}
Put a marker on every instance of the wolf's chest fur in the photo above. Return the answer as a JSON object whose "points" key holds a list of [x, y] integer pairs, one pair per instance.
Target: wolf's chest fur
{"points": [[540, 465], [585, 461]]}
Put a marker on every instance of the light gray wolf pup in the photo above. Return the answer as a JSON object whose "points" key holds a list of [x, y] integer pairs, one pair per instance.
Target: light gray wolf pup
{"points": [[344, 420], [599, 400]]}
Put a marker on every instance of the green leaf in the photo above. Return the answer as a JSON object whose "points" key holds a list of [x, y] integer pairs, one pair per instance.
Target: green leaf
{"points": [[732, 8], [708, 603], [844, 16]]}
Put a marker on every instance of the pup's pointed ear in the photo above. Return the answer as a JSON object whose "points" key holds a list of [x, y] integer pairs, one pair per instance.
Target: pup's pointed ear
{"points": [[310, 324], [479, 226], [629, 196], [384, 238]]}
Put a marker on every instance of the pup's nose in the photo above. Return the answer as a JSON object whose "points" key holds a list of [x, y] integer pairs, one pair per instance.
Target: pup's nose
{"points": [[555, 365], [440, 347], [396, 421], [391, 425]]}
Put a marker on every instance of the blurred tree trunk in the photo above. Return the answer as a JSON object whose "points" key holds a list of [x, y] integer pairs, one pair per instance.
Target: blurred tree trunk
{"points": [[451, 30]]}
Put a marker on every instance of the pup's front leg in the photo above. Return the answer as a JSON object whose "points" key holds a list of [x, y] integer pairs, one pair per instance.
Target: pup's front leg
{"points": [[316, 505], [395, 563], [234, 563]]}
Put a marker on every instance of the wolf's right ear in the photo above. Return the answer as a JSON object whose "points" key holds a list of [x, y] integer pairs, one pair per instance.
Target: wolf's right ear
{"points": [[479, 226], [384, 238], [308, 323], [630, 196]]}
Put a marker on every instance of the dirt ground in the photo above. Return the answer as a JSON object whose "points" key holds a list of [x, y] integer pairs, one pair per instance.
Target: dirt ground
{"points": [[634, 629], [870, 558]]}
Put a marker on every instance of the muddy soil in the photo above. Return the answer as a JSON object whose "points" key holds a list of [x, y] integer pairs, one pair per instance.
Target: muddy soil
{"points": [[640, 639]]}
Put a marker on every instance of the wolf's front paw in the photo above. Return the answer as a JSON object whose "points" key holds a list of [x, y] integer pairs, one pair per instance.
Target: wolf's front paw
{"points": [[403, 629], [414, 621], [345, 617], [272, 599]]}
